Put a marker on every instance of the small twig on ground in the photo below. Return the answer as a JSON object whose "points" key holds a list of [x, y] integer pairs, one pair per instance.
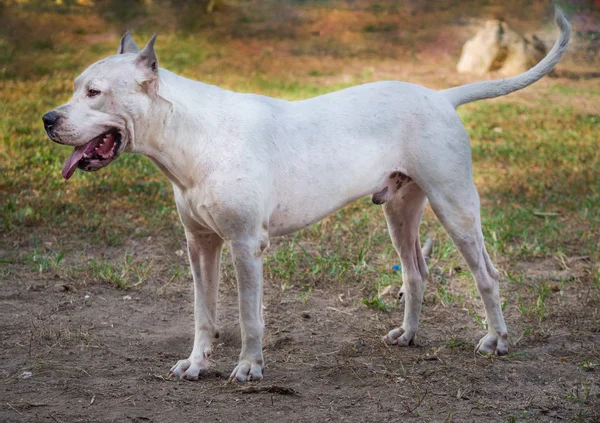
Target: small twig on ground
{"points": [[13, 408], [339, 311], [358, 377], [419, 403], [274, 389], [162, 288], [125, 400], [328, 353]]}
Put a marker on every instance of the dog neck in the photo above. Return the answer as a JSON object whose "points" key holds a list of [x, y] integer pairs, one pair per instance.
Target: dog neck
{"points": [[180, 125]]}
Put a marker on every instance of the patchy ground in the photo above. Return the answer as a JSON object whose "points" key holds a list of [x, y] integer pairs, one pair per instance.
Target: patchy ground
{"points": [[95, 290], [76, 351]]}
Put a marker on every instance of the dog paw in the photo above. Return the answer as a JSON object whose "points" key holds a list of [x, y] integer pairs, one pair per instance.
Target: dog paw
{"points": [[247, 370], [492, 344], [189, 369], [400, 337]]}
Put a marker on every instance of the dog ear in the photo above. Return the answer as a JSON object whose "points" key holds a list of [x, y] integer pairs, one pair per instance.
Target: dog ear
{"points": [[147, 59], [127, 45]]}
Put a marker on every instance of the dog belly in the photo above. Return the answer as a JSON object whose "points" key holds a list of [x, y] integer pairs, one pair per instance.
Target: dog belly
{"points": [[287, 219], [307, 201]]}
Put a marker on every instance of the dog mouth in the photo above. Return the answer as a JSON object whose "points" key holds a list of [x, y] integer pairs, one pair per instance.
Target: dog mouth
{"points": [[95, 154]]}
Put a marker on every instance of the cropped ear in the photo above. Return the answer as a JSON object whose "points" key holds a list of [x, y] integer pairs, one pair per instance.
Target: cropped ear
{"points": [[127, 45], [147, 66], [147, 59]]}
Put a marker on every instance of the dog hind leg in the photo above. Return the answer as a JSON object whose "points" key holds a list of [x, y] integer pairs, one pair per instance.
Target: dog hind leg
{"points": [[403, 216], [456, 204]]}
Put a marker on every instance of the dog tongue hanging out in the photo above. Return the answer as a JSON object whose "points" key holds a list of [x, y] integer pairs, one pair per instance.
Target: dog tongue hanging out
{"points": [[94, 155], [246, 168]]}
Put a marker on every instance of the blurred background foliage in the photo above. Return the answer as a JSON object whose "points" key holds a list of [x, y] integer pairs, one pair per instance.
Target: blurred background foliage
{"points": [[335, 28]]}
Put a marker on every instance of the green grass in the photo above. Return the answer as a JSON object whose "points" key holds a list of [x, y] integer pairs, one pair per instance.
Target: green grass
{"points": [[124, 274], [377, 303]]}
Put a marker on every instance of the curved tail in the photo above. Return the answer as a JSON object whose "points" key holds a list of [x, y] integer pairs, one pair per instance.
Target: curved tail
{"points": [[490, 89]]}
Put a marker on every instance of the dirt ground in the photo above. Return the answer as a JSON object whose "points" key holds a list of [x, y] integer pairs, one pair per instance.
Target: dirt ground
{"points": [[82, 351]]}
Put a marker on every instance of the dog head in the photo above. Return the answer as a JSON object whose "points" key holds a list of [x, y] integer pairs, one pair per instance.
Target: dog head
{"points": [[110, 98]]}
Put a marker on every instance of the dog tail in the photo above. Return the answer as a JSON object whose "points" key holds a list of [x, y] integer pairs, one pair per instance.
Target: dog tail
{"points": [[491, 89]]}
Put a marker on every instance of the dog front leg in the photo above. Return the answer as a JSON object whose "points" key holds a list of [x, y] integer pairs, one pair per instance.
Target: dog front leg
{"points": [[249, 271], [205, 257]]}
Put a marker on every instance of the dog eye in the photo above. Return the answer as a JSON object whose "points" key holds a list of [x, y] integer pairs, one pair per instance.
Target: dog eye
{"points": [[93, 93]]}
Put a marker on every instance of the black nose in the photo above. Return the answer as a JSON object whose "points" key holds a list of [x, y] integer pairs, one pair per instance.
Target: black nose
{"points": [[50, 119]]}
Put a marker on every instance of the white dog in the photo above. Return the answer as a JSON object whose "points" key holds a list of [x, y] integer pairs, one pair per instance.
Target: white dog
{"points": [[246, 168]]}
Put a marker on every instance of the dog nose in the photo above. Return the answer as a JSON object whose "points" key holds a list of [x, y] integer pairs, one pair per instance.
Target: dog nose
{"points": [[50, 119]]}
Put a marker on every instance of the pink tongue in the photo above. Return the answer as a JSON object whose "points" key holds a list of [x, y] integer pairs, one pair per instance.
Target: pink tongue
{"points": [[72, 161]]}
